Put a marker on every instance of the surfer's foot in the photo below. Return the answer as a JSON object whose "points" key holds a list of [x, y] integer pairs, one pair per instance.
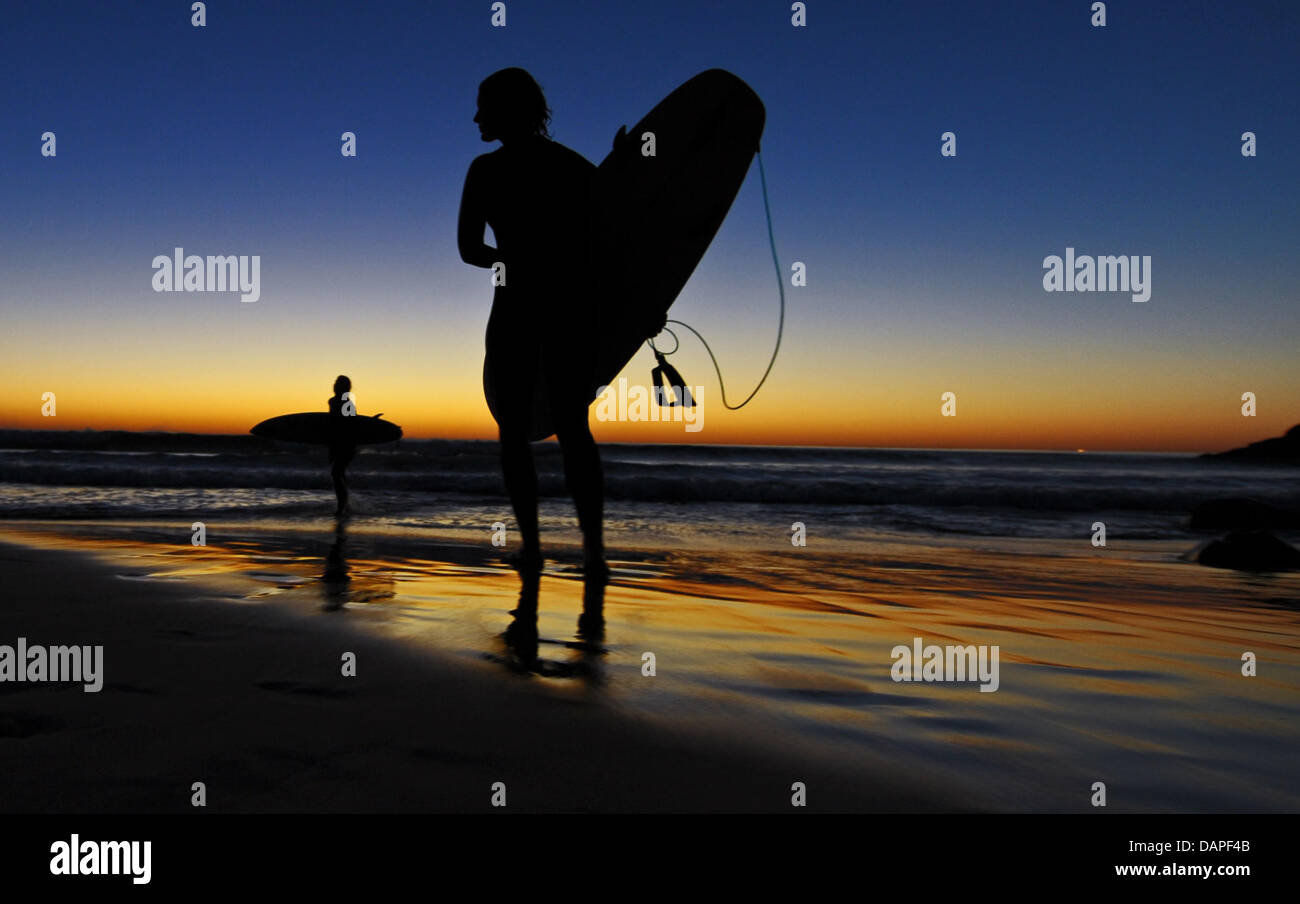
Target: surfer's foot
{"points": [[591, 628], [525, 561]]}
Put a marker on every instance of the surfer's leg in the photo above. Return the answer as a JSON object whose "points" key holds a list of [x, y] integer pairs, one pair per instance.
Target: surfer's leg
{"points": [[340, 489], [585, 478], [514, 357], [340, 459], [566, 365], [521, 485]]}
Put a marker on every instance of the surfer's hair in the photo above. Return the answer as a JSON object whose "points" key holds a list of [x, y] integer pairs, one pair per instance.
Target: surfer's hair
{"points": [[342, 384], [517, 97]]}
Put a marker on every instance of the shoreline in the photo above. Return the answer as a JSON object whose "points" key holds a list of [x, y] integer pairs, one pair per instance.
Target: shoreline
{"points": [[1121, 663], [249, 699]]}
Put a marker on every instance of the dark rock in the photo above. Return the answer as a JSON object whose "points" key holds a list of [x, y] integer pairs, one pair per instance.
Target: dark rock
{"points": [[1253, 550], [1283, 449], [1242, 514]]}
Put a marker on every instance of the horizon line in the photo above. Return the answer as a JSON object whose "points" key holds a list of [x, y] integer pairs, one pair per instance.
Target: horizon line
{"points": [[736, 445]]}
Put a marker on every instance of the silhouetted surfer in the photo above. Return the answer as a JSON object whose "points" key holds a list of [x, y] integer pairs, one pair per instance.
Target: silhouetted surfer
{"points": [[341, 453], [533, 192]]}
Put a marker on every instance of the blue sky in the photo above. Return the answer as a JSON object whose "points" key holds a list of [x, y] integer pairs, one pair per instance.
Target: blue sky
{"points": [[225, 139]]}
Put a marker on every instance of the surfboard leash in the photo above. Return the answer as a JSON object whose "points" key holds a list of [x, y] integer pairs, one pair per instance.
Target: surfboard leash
{"points": [[780, 327]]}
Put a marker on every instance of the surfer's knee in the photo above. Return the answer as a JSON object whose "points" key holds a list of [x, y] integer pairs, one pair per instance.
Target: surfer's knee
{"points": [[573, 428], [513, 439]]}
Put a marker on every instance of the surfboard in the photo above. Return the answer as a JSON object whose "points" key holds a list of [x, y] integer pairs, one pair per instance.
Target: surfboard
{"points": [[324, 429], [653, 217]]}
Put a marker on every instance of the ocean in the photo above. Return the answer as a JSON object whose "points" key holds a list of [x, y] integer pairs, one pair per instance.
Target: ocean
{"points": [[1119, 663], [705, 495]]}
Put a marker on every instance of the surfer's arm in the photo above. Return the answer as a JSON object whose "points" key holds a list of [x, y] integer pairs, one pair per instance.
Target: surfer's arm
{"points": [[472, 222]]}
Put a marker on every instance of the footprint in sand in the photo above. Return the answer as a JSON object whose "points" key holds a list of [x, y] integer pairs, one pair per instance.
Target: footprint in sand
{"points": [[295, 758], [451, 757], [184, 634], [24, 725], [126, 688], [293, 687]]}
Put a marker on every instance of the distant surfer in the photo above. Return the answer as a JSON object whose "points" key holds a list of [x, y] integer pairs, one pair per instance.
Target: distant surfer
{"points": [[341, 453], [533, 192]]}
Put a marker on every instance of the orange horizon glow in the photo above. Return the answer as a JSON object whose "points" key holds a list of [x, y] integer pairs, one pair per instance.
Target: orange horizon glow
{"points": [[908, 422], [235, 366]]}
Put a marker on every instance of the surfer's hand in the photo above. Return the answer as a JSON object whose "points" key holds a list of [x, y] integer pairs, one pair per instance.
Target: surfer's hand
{"points": [[655, 325]]}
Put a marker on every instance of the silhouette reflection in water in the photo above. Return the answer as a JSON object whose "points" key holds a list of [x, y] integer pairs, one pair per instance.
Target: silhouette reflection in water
{"points": [[336, 580], [523, 643], [340, 584]]}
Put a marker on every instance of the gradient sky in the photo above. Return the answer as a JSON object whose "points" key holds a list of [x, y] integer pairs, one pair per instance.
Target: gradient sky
{"points": [[924, 272]]}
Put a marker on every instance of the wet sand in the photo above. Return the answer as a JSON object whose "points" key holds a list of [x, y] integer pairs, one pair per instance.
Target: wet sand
{"points": [[1119, 665], [203, 685]]}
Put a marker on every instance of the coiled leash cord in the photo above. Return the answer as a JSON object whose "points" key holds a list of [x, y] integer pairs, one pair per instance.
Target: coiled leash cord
{"points": [[780, 328]]}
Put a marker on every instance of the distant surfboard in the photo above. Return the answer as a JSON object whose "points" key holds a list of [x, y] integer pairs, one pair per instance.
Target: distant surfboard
{"points": [[323, 429], [654, 217]]}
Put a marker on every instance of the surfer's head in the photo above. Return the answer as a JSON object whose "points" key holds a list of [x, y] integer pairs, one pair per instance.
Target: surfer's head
{"points": [[511, 105], [342, 384]]}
